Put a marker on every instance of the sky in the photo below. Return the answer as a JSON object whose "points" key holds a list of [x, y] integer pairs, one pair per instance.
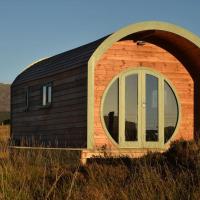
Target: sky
{"points": [[34, 29]]}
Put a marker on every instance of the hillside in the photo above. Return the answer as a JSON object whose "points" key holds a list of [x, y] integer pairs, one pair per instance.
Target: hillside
{"points": [[4, 101]]}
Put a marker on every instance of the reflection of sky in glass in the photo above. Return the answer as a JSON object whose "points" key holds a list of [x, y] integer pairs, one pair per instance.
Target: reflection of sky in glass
{"points": [[111, 104], [170, 107], [131, 107], [131, 97], [111, 100], [110, 110], [151, 102]]}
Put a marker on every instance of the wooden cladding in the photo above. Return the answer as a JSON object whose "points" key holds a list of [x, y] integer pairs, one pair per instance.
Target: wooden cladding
{"points": [[62, 124], [124, 55]]}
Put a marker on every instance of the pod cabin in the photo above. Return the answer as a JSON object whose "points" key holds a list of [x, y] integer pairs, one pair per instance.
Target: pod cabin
{"points": [[133, 91]]}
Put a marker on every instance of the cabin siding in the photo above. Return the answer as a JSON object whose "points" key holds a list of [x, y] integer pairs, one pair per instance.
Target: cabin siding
{"points": [[127, 54], [64, 123]]}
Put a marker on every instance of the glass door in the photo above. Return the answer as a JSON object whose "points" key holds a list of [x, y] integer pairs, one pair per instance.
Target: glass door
{"points": [[140, 110], [130, 110], [141, 102], [152, 111]]}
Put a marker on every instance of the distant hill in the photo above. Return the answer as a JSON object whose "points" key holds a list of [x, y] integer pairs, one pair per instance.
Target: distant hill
{"points": [[4, 102]]}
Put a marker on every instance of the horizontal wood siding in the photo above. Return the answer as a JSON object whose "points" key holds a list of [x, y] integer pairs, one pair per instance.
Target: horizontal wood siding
{"points": [[127, 54], [64, 123]]}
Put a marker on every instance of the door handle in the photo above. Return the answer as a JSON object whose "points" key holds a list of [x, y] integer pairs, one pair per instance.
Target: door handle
{"points": [[143, 105]]}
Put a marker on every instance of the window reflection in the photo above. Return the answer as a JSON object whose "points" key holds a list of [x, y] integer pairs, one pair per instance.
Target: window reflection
{"points": [[170, 112], [149, 130], [47, 94], [131, 108], [110, 110], [151, 108]]}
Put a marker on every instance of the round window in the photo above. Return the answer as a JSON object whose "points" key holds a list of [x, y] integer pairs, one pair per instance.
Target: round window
{"points": [[140, 109]]}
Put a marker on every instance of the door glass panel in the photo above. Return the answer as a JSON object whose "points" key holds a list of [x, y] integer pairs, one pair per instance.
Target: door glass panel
{"points": [[131, 108], [170, 112], [151, 108], [110, 110]]}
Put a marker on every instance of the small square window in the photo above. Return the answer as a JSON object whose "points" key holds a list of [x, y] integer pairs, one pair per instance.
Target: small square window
{"points": [[47, 94]]}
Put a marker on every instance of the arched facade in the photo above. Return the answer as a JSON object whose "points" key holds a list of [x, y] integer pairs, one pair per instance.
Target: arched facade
{"points": [[150, 68], [164, 48]]}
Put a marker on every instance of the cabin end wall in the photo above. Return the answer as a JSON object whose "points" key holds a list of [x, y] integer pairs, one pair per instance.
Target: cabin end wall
{"points": [[64, 122]]}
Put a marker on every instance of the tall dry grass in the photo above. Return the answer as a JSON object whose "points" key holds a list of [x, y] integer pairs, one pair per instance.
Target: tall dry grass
{"points": [[47, 174]]}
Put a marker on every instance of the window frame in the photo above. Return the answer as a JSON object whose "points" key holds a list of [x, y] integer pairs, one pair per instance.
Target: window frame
{"points": [[141, 84], [45, 97]]}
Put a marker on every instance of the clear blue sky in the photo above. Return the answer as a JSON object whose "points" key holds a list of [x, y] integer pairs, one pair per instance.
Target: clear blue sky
{"points": [[33, 29]]}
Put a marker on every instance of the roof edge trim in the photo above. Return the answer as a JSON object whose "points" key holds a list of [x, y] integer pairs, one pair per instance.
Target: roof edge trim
{"points": [[108, 42], [33, 63], [29, 66], [143, 26]]}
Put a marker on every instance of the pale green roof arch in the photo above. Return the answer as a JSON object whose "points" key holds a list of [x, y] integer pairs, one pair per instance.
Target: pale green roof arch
{"points": [[143, 26], [108, 42]]}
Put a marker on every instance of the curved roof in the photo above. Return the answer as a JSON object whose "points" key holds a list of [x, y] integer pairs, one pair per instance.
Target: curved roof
{"points": [[67, 60], [169, 36], [180, 42]]}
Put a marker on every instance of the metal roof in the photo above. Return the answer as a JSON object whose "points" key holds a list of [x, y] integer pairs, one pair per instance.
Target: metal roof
{"points": [[67, 60]]}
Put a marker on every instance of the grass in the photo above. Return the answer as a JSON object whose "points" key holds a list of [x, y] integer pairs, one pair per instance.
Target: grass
{"points": [[39, 174]]}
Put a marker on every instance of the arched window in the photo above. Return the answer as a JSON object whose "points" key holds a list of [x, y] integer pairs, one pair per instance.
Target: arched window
{"points": [[140, 109]]}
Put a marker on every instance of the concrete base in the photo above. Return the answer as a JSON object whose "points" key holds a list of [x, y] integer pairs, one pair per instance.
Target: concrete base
{"points": [[132, 153]]}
